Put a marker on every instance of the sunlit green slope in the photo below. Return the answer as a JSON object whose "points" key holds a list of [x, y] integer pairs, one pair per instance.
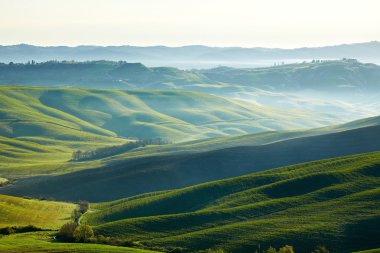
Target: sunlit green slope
{"points": [[43, 214]]}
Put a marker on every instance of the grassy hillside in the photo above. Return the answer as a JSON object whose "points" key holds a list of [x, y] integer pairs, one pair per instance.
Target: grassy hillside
{"points": [[333, 76], [40, 127], [43, 214], [62, 112], [122, 176], [333, 202], [42, 242]]}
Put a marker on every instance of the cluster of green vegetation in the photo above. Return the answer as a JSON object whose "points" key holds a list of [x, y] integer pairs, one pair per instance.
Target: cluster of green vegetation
{"points": [[332, 202], [80, 155], [17, 229]]}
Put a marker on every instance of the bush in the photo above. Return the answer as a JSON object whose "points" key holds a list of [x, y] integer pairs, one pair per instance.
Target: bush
{"points": [[66, 233], [25, 229], [8, 231], [82, 233], [83, 206]]}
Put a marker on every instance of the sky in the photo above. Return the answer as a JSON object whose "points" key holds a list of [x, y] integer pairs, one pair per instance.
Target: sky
{"points": [[245, 23]]}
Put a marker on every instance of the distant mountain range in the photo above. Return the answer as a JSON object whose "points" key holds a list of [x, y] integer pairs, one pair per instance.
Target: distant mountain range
{"points": [[191, 56]]}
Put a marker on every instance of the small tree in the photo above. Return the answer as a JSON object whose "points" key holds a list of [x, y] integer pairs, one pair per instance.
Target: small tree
{"points": [[82, 233], [66, 233], [83, 206], [320, 249], [286, 249]]}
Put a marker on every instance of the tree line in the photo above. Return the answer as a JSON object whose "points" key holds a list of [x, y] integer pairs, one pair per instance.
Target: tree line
{"points": [[80, 155]]}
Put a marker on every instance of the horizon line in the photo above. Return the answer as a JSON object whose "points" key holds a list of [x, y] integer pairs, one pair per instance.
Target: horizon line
{"points": [[190, 45]]}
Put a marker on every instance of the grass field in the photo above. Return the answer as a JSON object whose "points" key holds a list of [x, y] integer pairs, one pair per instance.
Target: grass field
{"points": [[332, 202], [16, 211], [42, 242]]}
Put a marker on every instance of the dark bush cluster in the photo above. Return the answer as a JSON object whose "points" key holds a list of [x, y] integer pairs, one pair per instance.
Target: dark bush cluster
{"points": [[72, 232], [22, 229], [80, 155]]}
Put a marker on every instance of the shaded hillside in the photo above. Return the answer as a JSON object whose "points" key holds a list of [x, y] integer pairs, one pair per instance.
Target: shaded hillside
{"points": [[331, 202], [122, 178]]}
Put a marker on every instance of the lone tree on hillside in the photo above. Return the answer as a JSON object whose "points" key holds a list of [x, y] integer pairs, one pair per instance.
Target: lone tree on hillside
{"points": [[83, 206]]}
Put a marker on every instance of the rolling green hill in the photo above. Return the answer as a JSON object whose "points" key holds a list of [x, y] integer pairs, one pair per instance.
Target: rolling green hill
{"points": [[332, 202], [40, 127], [67, 113], [43, 214], [120, 176]]}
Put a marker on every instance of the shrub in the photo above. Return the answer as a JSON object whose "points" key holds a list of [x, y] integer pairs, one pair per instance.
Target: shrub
{"points": [[66, 233], [82, 233], [83, 206], [9, 231]]}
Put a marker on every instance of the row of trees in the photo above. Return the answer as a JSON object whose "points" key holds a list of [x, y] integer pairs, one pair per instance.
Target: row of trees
{"points": [[80, 155]]}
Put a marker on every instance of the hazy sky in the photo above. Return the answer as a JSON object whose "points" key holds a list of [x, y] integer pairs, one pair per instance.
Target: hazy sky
{"points": [[248, 23]]}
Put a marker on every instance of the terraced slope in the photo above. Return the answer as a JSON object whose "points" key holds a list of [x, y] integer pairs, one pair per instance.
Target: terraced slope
{"points": [[43, 214], [42, 242], [120, 178], [332, 202]]}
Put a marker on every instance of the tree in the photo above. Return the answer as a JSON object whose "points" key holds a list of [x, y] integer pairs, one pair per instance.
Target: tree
{"points": [[320, 249], [82, 233], [66, 232], [286, 249], [271, 250], [83, 206]]}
